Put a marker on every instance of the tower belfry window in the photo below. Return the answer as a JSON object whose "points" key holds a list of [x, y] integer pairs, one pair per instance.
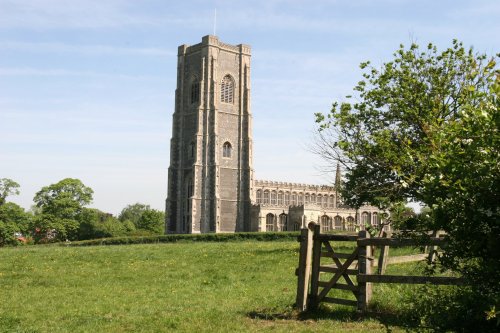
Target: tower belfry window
{"points": [[226, 150], [195, 91], [227, 89]]}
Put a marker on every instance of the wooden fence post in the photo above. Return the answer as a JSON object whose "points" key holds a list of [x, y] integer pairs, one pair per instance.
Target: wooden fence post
{"points": [[316, 257], [304, 270], [364, 267], [433, 248], [384, 254]]}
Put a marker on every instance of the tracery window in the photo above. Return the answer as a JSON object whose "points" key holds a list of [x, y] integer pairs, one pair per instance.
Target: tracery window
{"points": [[296, 226], [301, 199], [351, 226], [287, 198], [273, 198], [338, 223], [365, 218], [331, 201], [269, 222], [266, 197], [226, 149], [375, 219], [283, 222], [307, 198], [318, 199], [227, 89], [294, 199], [325, 201], [195, 91], [259, 196], [280, 198], [325, 223]]}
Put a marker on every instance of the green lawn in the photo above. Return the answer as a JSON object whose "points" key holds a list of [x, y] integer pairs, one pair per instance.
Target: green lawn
{"points": [[244, 286]]}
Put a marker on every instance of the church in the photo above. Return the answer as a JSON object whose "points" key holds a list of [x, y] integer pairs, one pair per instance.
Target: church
{"points": [[211, 185]]}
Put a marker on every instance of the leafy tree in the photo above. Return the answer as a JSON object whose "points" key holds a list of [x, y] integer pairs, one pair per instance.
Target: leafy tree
{"points": [[7, 187], [152, 220], [13, 213], [424, 128], [97, 224], [61, 206], [143, 217]]}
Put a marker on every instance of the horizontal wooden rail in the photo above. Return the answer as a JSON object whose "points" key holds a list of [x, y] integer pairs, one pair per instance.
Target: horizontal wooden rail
{"points": [[400, 242], [339, 286], [442, 280], [334, 269], [332, 237], [335, 255]]}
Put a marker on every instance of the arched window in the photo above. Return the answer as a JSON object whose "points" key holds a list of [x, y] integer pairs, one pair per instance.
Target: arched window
{"points": [[269, 222], [280, 198], [266, 197], [325, 201], [375, 219], [283, 222], [325, 223], [307, 198], [330, 202], [294, 199], [287, 198], [301, 199], [365, 218], [338, 223], [227, 89], [318, 199], [226, 149], [296, 226], [195, 91], [273, 198], [351, 226], [259, 196]]}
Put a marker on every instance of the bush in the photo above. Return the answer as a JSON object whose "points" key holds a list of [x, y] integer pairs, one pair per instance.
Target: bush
{"points": [[259, 236]]}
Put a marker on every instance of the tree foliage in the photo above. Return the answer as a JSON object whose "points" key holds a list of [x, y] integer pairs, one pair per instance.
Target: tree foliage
{"points": [[424, 128], [144, 217], [7, 187]]}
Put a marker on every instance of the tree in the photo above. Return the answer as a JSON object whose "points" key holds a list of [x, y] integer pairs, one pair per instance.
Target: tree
{"points": [[424, 128], [143, 217], [7, 187], [61, 205]]}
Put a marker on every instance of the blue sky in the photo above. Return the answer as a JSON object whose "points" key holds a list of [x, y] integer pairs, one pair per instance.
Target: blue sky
{"points": [[87, 87]]}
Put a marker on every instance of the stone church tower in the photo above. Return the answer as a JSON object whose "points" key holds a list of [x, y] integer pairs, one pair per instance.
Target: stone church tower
{"points": [[210, 177]]}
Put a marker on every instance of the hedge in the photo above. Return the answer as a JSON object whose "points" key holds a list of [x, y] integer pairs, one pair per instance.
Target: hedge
{"points": [[258, 236]]}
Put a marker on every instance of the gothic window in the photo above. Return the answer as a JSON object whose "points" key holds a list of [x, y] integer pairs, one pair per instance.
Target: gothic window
{"points": [[313, 198], [226, 149], [227, 89], [351, 226], [273, 198], [325, 223], [266, 197], [287, 198], [301, 199], [269, 222], [338, 223], [375, 219], [296, 226], [280, 198], [325, 201], [318, 199], [294, 199], [330, 202], [195, 91], [259, 196], [307, 198], [283, 222], [365, 218]]}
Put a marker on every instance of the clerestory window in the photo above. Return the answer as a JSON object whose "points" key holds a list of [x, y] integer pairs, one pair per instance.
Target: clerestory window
{"points": [[195, 91]]}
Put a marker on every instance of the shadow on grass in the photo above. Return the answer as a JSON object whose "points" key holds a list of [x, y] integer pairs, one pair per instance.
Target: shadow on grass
{"points": [[386, 317]]}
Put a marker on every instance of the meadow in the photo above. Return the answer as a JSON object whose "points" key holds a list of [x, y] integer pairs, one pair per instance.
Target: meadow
{"points": [[244, 286]]}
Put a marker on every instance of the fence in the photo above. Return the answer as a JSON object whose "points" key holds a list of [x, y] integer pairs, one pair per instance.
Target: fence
{"points": [[355, 268]]}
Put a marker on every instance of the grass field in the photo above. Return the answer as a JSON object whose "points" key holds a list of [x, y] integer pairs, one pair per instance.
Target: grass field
{"points": [[244, 286]]}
